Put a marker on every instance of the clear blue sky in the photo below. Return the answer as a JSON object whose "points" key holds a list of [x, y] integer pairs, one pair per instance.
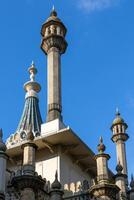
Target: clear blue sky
{"points": [[97, 69]]}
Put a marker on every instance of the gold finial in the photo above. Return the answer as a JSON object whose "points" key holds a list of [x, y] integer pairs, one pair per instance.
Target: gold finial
{"points": [[32, 70]]}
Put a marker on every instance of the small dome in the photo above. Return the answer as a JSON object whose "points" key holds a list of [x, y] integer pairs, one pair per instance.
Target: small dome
{"points": [[118, 119], [56, 184]]}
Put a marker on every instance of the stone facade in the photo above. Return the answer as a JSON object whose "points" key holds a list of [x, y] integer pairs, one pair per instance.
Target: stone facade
{"points": [[48, 161]]}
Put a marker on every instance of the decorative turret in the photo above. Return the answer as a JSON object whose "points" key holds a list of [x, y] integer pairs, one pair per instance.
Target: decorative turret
{"points": [[31, 114], [103, 189], [102, 165], [29, 153], [3, 159], [56, 191], [119, 137], [54, 44]]}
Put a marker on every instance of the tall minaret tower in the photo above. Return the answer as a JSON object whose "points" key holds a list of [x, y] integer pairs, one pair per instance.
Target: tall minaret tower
{"points": [[54, 44], [119, 137]]}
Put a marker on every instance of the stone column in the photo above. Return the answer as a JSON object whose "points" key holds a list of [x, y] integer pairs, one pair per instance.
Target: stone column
{"points": [[121, 153], [29, 149], [102, 163], [54, 84], [3, 159], [120, 180], [54, 44]]}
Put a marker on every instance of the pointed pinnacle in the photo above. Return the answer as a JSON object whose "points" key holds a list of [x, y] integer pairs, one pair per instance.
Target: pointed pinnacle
{"points": [[117, 112], [53, 12], [101, 140], [32, 63], [32, 70], [53, 8]]}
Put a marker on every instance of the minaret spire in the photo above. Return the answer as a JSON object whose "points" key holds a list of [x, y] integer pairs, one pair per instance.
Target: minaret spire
{"points": [[31, 114], [54, 44], [120, 137]]}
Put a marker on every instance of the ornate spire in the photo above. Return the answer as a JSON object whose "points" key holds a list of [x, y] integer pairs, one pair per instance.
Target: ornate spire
{"points": [[117, 112], [31, 116], [33, 71], [101, 147], [53, 12], [56, 184]]}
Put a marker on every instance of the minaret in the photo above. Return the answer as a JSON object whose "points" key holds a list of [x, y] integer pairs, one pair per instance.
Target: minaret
{"points": [[119, 137], [31, 113], [104, 189], [54, 44], [3, 159]]}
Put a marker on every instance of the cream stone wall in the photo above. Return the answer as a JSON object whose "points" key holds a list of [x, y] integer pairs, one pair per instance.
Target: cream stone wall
{"points": [[71, 175]]}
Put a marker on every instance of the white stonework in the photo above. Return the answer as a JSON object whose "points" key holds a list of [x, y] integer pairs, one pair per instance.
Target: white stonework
{"points": [[51, 127], [121, 155]]}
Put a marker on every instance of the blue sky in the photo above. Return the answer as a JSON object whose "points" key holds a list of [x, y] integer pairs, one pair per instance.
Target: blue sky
{"points": [[97, 69]]}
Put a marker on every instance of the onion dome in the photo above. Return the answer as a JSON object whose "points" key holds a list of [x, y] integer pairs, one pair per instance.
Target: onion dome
{"points": [[2, 145], [132, 182], [101, 147], [56, 184], [119, 168], [118, 119]]}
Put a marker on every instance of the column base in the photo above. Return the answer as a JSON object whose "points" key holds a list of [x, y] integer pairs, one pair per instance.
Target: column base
{"points": [[52, 127], [54, 114]]}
